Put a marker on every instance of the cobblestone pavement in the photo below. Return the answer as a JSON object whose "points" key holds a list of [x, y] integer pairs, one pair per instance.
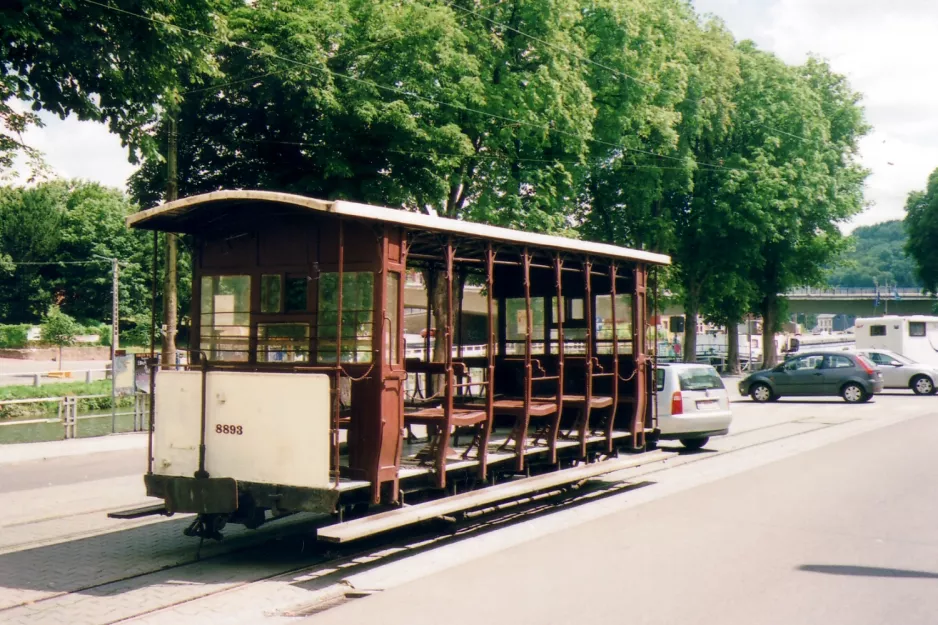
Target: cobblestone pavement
{"points": [[63, 561]]}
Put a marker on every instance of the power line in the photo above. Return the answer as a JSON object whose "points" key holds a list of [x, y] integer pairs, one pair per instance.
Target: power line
{"points": [[397, 90], [479, 155], [586, 59]]}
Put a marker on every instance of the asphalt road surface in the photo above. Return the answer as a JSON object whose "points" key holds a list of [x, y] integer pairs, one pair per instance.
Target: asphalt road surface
{"points": [[72, 470], [844, 534]]}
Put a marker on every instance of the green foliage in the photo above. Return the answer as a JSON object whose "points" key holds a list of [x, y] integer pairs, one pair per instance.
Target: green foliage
{"points": [[876, 255], [49, 409], [61, 234], [921, 224], [13, 336], [99, 63], [58, 328]]}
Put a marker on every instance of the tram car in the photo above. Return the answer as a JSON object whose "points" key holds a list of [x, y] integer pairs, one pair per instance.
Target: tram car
{"points": [[299, 394]]}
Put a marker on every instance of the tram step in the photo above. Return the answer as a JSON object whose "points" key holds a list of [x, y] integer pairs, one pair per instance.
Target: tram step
{"points": [[402, 517]]}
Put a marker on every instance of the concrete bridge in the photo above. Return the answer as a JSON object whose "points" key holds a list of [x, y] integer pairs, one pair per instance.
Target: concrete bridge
{"points": [[861, 302]]}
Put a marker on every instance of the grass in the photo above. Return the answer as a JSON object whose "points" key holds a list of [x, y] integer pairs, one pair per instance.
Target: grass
{"points": [[50, 409]]}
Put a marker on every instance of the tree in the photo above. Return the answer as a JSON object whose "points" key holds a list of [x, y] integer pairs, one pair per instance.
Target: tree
{"points": [[99, 62], [61, 236], [921, 224], [58, 329], [30, 232], [404, 104]]}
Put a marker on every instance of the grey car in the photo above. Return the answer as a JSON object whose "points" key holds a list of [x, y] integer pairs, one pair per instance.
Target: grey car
{"points": [[846, 375]]}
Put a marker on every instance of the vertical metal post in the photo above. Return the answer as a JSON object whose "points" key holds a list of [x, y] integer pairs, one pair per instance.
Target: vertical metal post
{"points": [[337, 402], [114, 341], [152, 359]]}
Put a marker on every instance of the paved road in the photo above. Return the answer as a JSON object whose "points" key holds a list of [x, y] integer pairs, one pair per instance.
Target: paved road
{"points": [[844, 534], [72, 470]]}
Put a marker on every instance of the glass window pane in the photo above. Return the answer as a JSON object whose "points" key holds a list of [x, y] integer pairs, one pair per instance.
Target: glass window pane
{"points": [[296, 293], [270, 294], [225, 321], [392, 338], [357, 314], [283, 342]]}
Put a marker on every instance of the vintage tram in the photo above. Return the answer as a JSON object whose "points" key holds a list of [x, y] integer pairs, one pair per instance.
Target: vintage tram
{"points": [[302, 394]]}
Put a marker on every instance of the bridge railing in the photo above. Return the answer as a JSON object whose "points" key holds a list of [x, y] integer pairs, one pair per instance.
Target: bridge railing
{"points": [[855, 292]]}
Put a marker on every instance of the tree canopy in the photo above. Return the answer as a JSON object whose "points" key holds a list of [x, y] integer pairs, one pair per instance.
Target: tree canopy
{"points": [[921, 224], [60, 237], [101, 62], [628, 121]]}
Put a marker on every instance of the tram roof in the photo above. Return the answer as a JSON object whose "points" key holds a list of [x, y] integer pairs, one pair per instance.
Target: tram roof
{"points": [[177, 216]]}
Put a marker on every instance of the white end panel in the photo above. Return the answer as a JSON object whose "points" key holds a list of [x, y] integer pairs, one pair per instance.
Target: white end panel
{"points": [[268, 427], [176, 426]]}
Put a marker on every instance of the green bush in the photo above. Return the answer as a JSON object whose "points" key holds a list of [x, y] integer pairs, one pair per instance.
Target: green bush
{"points": [[13, 336], [50, 409]]}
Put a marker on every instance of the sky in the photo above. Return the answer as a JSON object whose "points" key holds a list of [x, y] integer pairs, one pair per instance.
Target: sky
{"points": [[886, 48]]}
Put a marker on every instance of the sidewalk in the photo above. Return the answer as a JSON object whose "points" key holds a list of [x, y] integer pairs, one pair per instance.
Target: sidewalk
{"points": [[23, 452]]}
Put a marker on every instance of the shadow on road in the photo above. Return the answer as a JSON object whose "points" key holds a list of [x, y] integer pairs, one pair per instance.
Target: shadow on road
{"points": [[865, 571]]}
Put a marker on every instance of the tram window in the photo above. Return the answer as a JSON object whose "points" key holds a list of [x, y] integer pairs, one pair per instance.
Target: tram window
{"points": [[877, 330], [623, 327], [296, 293], [270, 294], [517, 324], [916, 328], [283, 342], [357, 315], [225, 317], [391, 337]]}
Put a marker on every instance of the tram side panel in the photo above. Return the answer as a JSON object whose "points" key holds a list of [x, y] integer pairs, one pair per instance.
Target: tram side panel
{"points": [[265, 434]]}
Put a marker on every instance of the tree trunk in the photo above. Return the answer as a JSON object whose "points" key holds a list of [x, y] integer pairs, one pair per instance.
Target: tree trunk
{"points": [[691, 308], [60, 359], [732, 349], [769, 348], [170, 302]]}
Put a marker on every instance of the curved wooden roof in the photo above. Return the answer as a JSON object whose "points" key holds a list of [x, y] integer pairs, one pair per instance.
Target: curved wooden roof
{"points": [[170, 216]]}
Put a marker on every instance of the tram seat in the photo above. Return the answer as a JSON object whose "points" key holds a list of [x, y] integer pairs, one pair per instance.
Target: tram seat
{"points": [[579, 401], [539, 407]]}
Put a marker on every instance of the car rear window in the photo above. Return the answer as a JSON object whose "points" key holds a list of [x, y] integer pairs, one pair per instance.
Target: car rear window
{"points": [[699, 379]]}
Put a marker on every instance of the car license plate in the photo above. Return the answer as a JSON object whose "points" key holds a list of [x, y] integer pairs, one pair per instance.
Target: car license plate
{"points": [[708, 404]]}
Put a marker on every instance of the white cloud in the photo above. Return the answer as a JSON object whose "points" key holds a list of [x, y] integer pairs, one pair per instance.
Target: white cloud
{"points": [[77, 149], [887, 51]]}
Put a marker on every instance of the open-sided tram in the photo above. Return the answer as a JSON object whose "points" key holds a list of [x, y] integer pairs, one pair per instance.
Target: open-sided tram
{"points": [[302, 394]]}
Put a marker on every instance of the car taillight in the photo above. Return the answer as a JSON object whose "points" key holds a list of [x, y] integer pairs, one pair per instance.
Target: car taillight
{"points": [[677, 403], [864, 365]]}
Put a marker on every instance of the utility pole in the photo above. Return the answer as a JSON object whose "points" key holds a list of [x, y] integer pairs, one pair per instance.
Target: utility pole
{"points": [[115, 334], [169, 279]]}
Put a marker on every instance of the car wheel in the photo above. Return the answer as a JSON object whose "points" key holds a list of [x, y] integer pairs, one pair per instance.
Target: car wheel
{"points": [[922, 385], [853, 393], [693, 444], [761, 393]]}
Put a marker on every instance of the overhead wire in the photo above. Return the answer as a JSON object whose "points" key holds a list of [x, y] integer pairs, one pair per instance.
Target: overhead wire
{"points": [[548, 127]]}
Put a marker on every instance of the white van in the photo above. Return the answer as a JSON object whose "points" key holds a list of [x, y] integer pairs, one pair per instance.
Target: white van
{"points": [[915, 337], [693, 404]]}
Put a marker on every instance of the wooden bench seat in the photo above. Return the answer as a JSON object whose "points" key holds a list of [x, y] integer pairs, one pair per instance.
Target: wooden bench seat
{"points": [[540, 407], [434, 416], [579, 401]]}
